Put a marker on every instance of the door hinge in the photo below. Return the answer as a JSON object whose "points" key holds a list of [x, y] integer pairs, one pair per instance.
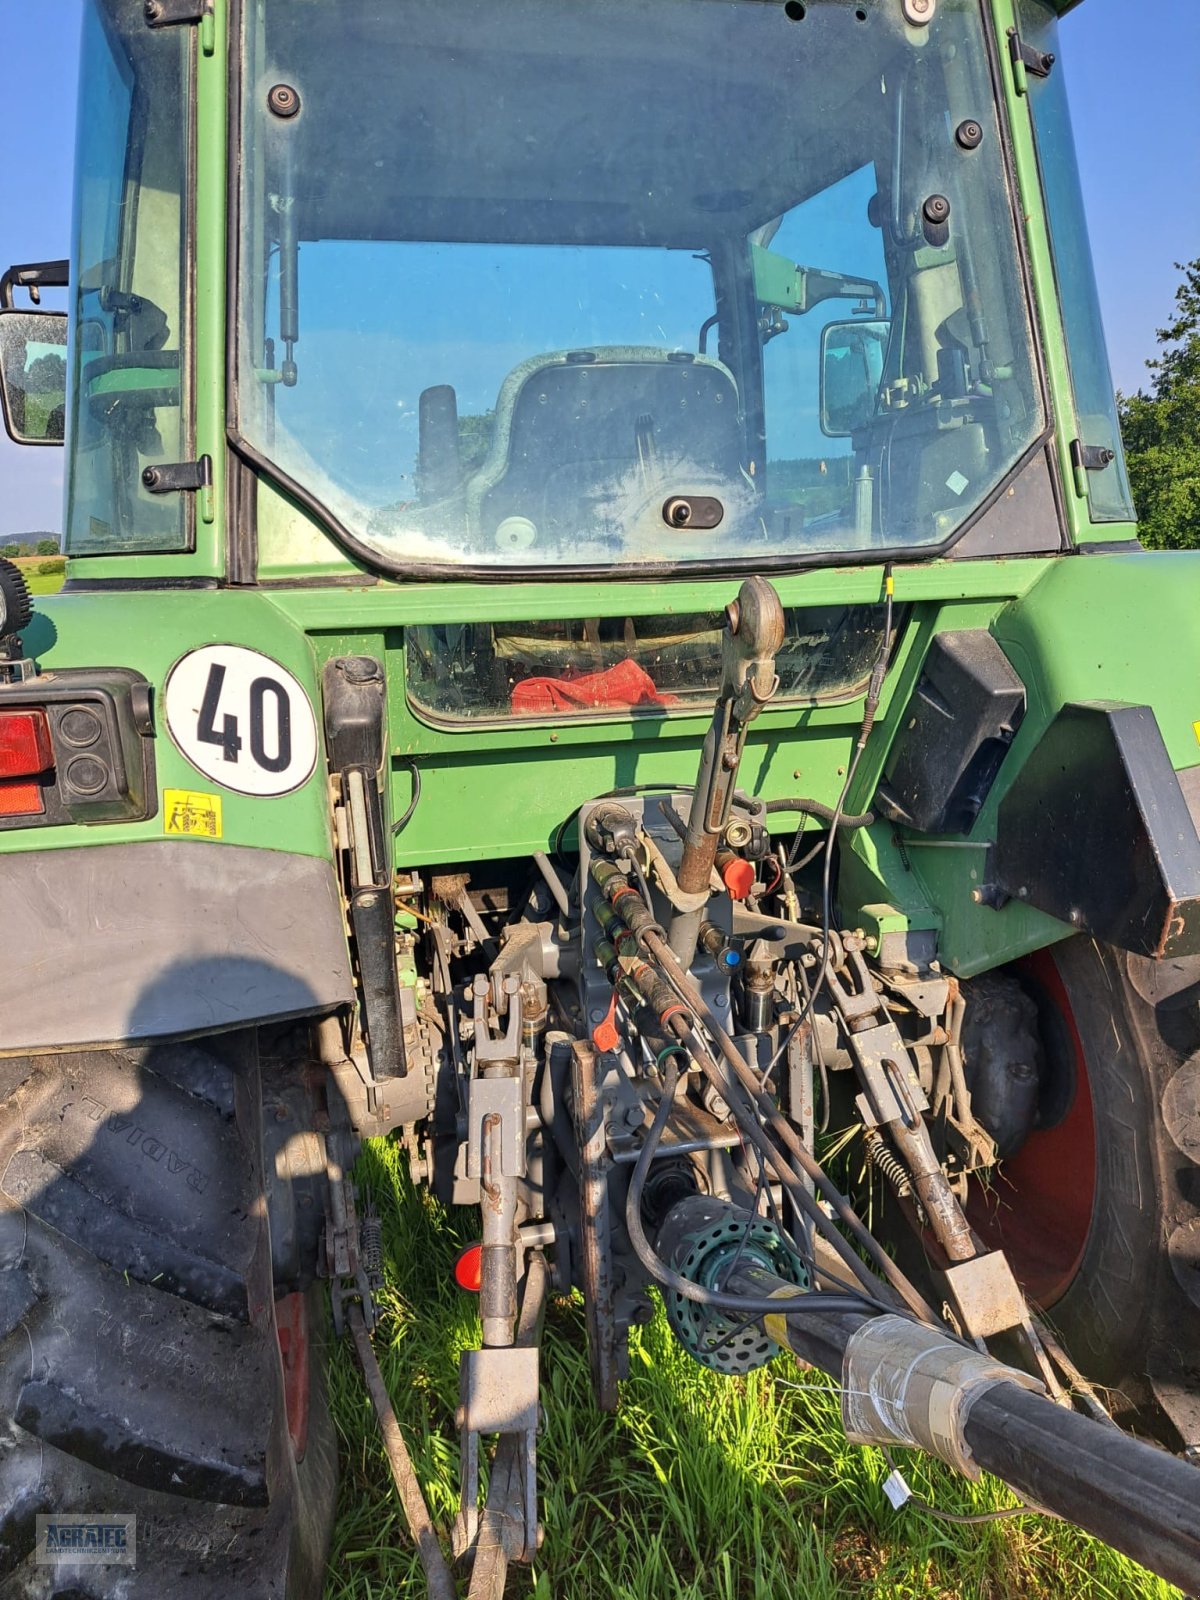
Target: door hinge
{"points": [[179, 13], [1027, 61], [180, 476], [1087, 458]]}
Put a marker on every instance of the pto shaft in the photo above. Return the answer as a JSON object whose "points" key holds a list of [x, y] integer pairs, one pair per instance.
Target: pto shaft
{"points": [[1134, 1496], [907, 1383]]}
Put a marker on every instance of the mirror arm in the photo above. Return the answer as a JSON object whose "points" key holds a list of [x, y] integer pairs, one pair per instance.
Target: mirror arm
{"points": [[819, 286], [34, 276]]}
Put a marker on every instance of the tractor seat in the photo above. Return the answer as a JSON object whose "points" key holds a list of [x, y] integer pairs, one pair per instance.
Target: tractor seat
{"points": [[590, 439]]}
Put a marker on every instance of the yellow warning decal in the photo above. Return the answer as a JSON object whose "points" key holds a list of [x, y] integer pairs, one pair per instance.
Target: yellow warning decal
{"points": [[197, 815], [1196, 731]]}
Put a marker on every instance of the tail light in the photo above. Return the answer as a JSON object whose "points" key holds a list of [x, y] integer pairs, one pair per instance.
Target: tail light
{"points": [[76, 746], [26, 754]]}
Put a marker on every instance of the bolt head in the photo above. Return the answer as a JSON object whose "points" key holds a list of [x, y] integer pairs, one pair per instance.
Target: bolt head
{"points": [[283, 100]]}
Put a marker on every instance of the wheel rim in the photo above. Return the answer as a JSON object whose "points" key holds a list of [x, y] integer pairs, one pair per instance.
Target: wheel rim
{"points": [[291, 1327], [1038, 1205]]}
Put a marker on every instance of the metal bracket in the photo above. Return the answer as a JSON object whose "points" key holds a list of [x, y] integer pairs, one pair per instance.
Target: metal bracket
{"points": [[893, 1091], [489, 1050], [1091, 457], [179, 476], [173, 13], [498, 1391], [985, 1295], [1027, 61], [33, 276], [16, 668], [1087, 458]]}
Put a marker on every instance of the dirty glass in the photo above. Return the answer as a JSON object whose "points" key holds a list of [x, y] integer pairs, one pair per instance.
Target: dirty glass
{"points": [[1109, 496], [33, 375], [655, 665], [514, 278], [128, 355]]}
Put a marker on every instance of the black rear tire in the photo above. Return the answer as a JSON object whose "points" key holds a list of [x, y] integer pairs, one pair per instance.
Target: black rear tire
{"points": [[140, 1366], [1108, 1238]]}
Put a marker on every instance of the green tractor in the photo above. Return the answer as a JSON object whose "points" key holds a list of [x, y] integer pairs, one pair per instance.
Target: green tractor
{"points": [[604, 637]]}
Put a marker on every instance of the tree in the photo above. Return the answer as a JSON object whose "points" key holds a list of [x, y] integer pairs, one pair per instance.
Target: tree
{"points": [[1162, 429], [46, 547]]}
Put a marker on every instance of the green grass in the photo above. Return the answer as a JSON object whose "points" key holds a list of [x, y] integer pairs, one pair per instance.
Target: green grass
{"points": [[50, 584], [700, 1488], [42, 582]]}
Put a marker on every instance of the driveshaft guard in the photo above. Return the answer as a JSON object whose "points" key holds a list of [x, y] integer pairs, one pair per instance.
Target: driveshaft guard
{"points": [[1096, 831]]}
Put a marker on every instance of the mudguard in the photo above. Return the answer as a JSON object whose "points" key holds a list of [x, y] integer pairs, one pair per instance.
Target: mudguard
{"points": [[112, 944]]}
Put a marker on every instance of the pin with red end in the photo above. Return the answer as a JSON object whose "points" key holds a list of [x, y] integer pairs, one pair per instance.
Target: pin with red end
{"points": [[468, 1268]]}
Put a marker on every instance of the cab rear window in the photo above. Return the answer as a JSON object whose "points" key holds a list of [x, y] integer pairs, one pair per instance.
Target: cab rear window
{"points": [[648, 666]]}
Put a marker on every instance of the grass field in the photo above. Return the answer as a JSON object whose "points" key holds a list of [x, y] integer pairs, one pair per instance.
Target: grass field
{"points": [[701, 1488], [40, 582]]}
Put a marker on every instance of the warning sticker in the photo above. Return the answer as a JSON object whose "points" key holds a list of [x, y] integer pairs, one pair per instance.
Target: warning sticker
{"points": [[185, 812], [1196, 731]]}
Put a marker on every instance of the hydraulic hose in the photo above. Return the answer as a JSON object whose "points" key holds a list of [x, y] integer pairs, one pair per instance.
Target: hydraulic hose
{"points": [[744, 1305], [1136, 1497], [814, 808], [795, 1146]]}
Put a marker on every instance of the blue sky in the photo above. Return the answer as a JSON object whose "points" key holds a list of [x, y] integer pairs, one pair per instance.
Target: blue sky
{"points": [[1133, 89]]}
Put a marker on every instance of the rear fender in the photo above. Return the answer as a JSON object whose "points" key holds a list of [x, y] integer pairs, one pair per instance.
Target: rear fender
{"points": [[118, 943]]}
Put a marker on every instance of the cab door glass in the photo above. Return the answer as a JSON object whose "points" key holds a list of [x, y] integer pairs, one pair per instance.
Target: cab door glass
{"points": [[1096, 421], [128, 397]]}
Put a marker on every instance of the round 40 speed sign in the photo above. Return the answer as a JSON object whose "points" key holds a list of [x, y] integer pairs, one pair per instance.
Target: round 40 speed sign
{"points": [[241, 719]]}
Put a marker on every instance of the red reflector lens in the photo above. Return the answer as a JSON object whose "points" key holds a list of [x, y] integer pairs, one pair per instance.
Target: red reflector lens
{"points": [[25, 748], [468, 1269], [21, 799]]}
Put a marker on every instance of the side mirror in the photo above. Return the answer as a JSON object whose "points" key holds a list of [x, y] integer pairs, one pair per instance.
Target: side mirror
{"points": [[33, 375], [852, 356]]}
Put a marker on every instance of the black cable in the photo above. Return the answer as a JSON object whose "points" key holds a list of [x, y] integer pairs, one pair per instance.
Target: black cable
{"points": [[767, 1305], [794, 866], [399, 827], [821, 1127], [751, 1216], [871, 706], [749, 1118], [733, 1333]]}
